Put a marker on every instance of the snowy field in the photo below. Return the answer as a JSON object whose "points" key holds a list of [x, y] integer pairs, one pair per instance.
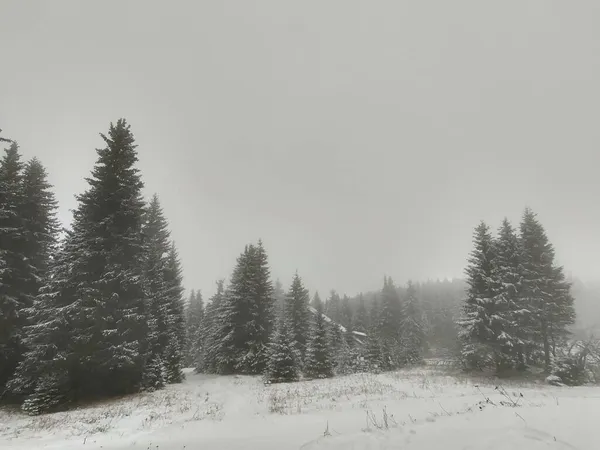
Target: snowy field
{"points": [[416, 409]]}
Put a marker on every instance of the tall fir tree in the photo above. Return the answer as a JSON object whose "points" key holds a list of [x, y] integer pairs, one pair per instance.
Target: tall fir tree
{"points": [[156, 247], [99, 295], [545, 291], [318, 362], [413, 333], [479, 324], [247, 315], [297, 314], [40, 222], [510, 308], [284, 360], [17, 275], [174, 351], [41, 229]]}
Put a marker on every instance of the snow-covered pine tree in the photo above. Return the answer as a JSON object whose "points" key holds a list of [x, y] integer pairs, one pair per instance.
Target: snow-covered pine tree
{"points": [[510, 309], [210, 330], [478, 337], [545, 292], [297, 314], [174, 351], [98, 287], [561, 311], [16, 273], [284, 358], [361, 317], [413, 334], [156, 247], [43, 374], [41, 229], [194, 330], [390, 321], [318, 362], [41, 225], [246, 316], [336, 337]]}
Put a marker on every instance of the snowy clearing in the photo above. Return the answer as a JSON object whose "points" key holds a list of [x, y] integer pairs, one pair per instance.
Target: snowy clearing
{"points": [[426, 409]]}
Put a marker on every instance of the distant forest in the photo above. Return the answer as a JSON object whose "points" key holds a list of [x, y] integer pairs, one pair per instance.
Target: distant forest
{"points": [[99, 310]]}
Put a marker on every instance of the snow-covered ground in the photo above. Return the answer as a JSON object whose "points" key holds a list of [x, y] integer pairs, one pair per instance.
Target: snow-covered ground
{"points": [[426, 409]]}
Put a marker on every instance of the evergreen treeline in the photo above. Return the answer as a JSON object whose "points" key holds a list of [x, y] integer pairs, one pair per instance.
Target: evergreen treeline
{"points": [[97, 310], [518, 305], [99, 313]]}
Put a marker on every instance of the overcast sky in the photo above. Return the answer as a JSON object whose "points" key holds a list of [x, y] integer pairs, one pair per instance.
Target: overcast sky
{"points": [[356, 138]]}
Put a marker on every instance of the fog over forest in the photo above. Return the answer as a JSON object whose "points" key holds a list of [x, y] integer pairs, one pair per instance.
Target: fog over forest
{"points": [[355, 141]]}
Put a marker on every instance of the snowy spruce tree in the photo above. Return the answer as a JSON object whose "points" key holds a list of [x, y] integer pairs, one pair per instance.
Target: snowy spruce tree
{"points": [[97, 289], [194, 330], [40, 223], [510, 310], [284, 357], [297, 314], [40, 227], [17, 276], [413, 333], [318, 362], [211, 328], [546, 294], [156, 247], [174, 351], [478, 334], [246, 317]]}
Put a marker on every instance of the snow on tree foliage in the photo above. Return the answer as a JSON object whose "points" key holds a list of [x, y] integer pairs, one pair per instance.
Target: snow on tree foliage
{"points": [[297, 314], [518, 304], [284, 357], [156, 246], [16, 273], [318, 362], [174, 351], [246, 317], [100, 292], [210, 329], [548, 301], [40, 227], [510, 308], [477, 325]]}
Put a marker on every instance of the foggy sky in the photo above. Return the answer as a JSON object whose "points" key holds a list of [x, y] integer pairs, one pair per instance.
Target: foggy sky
{"points": [[356, 138]]}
